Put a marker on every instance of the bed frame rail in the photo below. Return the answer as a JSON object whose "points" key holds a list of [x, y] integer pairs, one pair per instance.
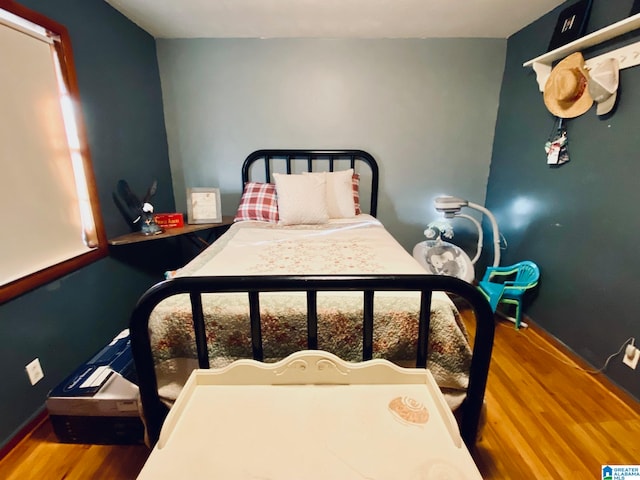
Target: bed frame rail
{"points": [[155, 411]]}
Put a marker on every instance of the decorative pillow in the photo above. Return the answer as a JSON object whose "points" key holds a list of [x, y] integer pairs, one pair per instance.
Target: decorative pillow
{"points": [[355, 183], [258, 202], [302, 199], [340, 202]]}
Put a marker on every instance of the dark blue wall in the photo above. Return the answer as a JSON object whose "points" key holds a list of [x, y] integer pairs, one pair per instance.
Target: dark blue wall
{"points": [[575, 221], [65, 322]]}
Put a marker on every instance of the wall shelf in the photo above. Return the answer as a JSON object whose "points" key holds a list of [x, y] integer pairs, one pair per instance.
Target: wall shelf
{"points": [[628, 56], [188, 230]]}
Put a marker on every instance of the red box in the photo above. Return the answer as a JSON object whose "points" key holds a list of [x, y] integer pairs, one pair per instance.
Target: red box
{"points": [[169, 220]]}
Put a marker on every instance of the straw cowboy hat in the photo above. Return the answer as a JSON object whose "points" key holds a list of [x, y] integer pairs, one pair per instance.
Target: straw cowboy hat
{"points": [[566, 94]]}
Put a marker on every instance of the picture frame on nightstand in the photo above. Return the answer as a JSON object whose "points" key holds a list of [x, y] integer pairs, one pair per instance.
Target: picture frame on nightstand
{"points": [[203, 205]]}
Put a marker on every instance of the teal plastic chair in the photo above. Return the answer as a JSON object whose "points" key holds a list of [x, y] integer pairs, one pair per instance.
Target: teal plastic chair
{"points": [[520, 277]]}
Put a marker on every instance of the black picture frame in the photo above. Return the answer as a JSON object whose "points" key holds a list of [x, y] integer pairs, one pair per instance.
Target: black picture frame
{"points": [[635, 9], [571, 25]]}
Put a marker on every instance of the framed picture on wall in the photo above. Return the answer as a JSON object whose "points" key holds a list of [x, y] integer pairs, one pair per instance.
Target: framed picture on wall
{"points": [[203, 205], [571, 24]]}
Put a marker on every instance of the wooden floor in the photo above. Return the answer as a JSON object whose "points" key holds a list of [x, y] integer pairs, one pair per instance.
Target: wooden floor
{"points": [[546, 419]]}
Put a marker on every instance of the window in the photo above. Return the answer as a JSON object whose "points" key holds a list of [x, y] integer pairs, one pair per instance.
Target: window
{"points": [[51, 221]]}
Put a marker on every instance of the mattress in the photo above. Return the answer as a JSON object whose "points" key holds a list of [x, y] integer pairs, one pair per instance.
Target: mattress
{"points": [[347, 246]]}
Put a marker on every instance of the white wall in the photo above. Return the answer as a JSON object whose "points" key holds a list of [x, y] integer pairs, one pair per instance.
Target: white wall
{"points": [[425, 109]]}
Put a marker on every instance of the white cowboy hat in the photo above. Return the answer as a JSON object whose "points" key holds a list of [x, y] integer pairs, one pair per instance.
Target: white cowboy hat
{"points": [[603, 84]]}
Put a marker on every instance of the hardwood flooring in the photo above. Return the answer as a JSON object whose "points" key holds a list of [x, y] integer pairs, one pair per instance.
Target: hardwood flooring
{"points": [[546, 419], [41, 457]]}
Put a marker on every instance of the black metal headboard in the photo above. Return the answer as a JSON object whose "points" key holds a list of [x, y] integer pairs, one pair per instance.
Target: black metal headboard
{"points": [[315, 160]]}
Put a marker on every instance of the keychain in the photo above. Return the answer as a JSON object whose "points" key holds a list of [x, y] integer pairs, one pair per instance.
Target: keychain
{"points": [[556, 146]]}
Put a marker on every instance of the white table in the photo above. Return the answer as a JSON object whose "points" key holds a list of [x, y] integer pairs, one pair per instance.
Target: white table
{"points": [[310, 416]]}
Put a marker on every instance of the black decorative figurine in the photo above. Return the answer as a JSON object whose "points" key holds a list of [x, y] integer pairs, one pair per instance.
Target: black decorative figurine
{"points": [[138, 213]]}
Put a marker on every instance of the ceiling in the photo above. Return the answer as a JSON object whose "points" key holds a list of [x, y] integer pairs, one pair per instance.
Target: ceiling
{"points": [[333, 18]]}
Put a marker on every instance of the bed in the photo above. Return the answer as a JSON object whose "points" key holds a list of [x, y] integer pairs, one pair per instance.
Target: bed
{"points": [[286, 278]]}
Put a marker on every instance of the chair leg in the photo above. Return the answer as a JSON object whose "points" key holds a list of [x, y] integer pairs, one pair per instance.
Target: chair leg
{"points": [[517, 319], [492, 303]]}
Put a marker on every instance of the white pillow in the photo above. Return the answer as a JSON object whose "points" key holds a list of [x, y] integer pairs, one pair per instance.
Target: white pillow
{"points": [[340, 202], [302, 199]]}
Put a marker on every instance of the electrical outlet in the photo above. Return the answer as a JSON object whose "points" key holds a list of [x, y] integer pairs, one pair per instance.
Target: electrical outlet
{"points": [[631, 356], [34, 370]]}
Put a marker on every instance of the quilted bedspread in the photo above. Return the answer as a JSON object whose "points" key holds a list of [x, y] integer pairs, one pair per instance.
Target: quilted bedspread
{"points": [[362, 246]]}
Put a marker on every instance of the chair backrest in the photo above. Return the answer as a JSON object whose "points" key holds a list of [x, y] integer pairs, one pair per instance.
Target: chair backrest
{"points": [[528, 274]]}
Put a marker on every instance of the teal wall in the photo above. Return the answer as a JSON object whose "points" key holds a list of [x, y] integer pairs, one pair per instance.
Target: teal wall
{"points": [[424, 108], [575, 221], [65, 322]]}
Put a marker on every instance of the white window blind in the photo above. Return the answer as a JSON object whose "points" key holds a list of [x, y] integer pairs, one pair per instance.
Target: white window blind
{"points": [[42, 222]]}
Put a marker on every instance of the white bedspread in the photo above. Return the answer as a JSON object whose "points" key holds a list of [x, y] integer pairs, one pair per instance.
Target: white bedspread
{"points": [[362, 247], [348, 246]]}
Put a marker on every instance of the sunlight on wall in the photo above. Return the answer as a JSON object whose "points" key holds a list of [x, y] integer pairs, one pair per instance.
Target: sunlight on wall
{"points": [[77, 161]]}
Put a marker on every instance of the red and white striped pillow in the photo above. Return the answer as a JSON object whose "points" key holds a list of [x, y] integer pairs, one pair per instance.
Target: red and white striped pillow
{"points": [[355, 183], [258, 203]]}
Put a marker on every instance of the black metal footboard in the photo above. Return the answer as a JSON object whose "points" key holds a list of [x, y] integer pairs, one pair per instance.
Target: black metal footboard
{"points": [[155, 411]]}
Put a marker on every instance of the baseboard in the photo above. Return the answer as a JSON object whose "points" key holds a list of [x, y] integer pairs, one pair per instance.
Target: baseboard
{"points": [[24, 432], [601, 378]]}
